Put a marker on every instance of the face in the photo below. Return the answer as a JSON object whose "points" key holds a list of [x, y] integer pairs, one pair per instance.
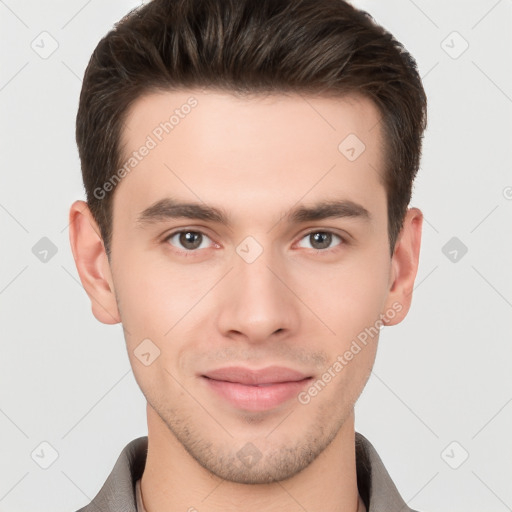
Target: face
{"points": [[251, 271]]}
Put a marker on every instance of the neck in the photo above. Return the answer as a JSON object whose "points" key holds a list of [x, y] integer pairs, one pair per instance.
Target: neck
{"points": [[173, 481]]}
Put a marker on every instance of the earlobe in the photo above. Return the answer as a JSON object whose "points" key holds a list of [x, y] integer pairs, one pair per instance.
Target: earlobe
{"points": [[404, 266], [92, 263]]}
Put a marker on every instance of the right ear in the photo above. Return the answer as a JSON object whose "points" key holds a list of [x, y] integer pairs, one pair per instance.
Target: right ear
{"points": [[92, 263]]}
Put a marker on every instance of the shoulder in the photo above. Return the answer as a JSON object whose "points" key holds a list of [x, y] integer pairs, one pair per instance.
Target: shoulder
{"points": [[376, 487], [118, 491]]}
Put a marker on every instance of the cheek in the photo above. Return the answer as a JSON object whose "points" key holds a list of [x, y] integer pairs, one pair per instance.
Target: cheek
{"points": [[153, 303], [348, 297], [161, 301], [153, 294]]}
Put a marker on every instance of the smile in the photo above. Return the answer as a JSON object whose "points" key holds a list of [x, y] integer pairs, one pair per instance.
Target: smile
{"points": [[255, 390]]}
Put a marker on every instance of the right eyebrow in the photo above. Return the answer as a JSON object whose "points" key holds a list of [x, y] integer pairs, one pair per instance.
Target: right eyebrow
{"points": [[169, 208]]}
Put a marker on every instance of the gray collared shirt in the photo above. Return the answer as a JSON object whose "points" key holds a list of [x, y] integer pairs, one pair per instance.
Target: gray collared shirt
{"points": [[118, 493]]}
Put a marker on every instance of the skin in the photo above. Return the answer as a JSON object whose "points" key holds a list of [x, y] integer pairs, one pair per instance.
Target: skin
{"points": [[298, 304]]}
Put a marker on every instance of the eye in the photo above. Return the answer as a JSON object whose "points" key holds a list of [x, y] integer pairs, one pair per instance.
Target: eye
{"points": [[188, 240], [320, 240]]}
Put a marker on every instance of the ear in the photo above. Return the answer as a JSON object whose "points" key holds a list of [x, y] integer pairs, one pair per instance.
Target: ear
{"points": [[92, 263], [404, 266]]}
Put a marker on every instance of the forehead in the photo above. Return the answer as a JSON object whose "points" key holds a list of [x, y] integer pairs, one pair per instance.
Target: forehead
{"points": [[160, 113], [243, 150]]}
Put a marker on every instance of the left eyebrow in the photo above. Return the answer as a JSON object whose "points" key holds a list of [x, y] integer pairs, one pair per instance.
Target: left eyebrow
{"points": [[327, 210]]}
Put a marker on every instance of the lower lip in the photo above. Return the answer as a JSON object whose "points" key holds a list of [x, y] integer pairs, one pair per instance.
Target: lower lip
{"points": [[256, 398]]}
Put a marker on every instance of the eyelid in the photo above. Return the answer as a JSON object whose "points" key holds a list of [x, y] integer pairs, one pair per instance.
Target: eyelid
{"points": [[343, 236]]}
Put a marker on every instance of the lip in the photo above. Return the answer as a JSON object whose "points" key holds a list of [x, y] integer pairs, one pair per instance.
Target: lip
{"points": [[256, 390]]}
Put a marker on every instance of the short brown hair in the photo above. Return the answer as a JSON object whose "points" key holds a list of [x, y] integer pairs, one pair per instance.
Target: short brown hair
{"points": [[250, 46]]}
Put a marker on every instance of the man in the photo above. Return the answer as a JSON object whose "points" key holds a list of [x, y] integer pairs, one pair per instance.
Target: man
{"points": [[248, 169]]}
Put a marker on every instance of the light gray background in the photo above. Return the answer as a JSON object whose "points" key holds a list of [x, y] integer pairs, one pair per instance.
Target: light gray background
{"points": [[443, 375]]}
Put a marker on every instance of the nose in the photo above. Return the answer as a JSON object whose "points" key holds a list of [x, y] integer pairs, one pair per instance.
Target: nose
{"points": [[256, 302]]}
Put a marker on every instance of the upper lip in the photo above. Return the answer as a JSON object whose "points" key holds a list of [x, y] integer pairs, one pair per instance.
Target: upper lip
{"points": [[268, 375]]}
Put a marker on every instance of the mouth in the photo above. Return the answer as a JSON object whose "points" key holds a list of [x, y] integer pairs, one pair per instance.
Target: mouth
{"points": [[255, 390]]}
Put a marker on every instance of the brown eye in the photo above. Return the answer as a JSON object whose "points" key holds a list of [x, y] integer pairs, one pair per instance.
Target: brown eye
{"points": [[188, 240], [321, 240]]}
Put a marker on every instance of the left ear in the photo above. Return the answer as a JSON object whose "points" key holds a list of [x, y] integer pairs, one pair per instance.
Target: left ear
{"points": [[404, 266]]}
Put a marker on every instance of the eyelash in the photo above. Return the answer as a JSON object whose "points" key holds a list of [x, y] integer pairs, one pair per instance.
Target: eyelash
{"points": [[188, 253]]}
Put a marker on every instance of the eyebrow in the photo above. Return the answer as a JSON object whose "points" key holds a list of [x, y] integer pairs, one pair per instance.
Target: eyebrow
{"points": [[169, 208]]}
